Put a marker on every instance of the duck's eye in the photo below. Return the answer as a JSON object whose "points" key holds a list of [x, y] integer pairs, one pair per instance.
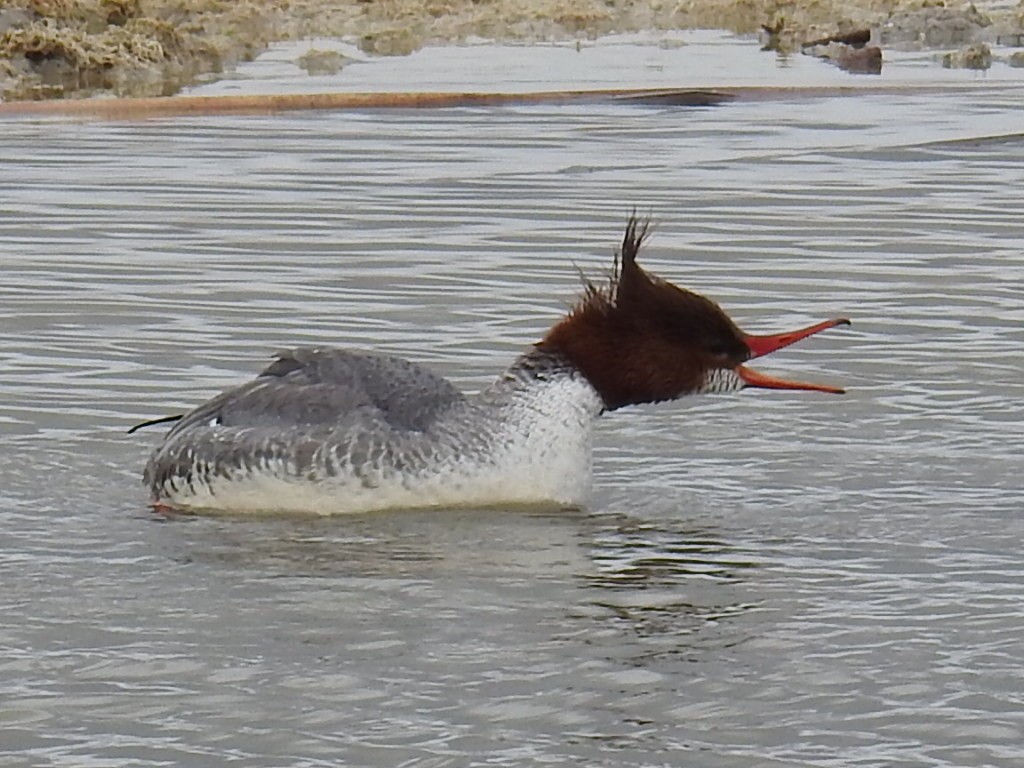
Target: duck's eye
{"points": [[720, 349], [729, 351]]}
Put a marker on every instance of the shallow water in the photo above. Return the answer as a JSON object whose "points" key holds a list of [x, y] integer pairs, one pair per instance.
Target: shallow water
{"points": [[762, 579]]}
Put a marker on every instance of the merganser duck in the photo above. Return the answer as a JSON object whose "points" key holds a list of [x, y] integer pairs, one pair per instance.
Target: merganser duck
{"points": [[330, 431]]}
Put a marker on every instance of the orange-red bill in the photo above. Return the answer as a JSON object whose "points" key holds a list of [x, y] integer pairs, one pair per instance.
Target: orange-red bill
{"points": [[763, 381], [763, 345]]}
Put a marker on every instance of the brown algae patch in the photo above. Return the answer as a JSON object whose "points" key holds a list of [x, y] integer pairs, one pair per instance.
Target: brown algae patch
{"points": [[63, 48]]}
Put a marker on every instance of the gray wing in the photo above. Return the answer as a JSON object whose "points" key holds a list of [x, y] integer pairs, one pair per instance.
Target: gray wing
{"points": [[323, 387]]}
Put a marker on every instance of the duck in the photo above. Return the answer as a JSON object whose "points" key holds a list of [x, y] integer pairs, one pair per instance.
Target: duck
{"points": [[330, 431]]}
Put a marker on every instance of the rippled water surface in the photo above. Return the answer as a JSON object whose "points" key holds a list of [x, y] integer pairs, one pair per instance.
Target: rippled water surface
{"points": [[764, 579]]}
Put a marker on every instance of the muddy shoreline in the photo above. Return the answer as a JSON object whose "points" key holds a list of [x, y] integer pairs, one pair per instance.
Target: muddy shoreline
{"points": [[57, 49]]}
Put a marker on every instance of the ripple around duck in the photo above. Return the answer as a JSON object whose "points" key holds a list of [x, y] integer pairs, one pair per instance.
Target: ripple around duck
{"points": [[763, 579]]}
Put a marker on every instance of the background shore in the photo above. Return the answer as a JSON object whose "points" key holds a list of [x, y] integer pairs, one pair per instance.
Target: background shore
{"points": [[69, 48]]}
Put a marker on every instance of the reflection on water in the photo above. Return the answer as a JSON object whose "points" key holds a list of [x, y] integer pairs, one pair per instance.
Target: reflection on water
{"points": [[629, 571], [667, 588], [762, 579]]}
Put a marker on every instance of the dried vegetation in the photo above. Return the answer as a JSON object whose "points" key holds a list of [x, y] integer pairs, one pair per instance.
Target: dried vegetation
{"points": [[61, 48]]}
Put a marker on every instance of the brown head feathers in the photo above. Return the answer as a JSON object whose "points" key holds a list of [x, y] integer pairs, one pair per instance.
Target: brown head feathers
{"points": [[641, 339]]}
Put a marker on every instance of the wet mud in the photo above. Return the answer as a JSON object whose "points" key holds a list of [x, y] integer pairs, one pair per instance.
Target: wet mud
{"points": [[52, 49]]}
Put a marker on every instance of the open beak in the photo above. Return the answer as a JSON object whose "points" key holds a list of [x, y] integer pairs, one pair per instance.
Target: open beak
{"points": [[762, 345]]}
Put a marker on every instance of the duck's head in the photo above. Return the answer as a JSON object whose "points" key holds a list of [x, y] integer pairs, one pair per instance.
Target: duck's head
{"points": [[641, 339]]}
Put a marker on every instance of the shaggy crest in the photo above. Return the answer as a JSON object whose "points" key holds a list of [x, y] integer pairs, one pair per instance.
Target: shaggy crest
{"points": [[603, 298], [640, 338]]}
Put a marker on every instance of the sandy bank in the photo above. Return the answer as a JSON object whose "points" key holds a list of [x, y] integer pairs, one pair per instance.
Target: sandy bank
{"points": [[65, 48]]}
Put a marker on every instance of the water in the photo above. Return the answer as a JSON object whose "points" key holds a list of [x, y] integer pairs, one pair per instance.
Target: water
{"points": [[763, 579]]}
